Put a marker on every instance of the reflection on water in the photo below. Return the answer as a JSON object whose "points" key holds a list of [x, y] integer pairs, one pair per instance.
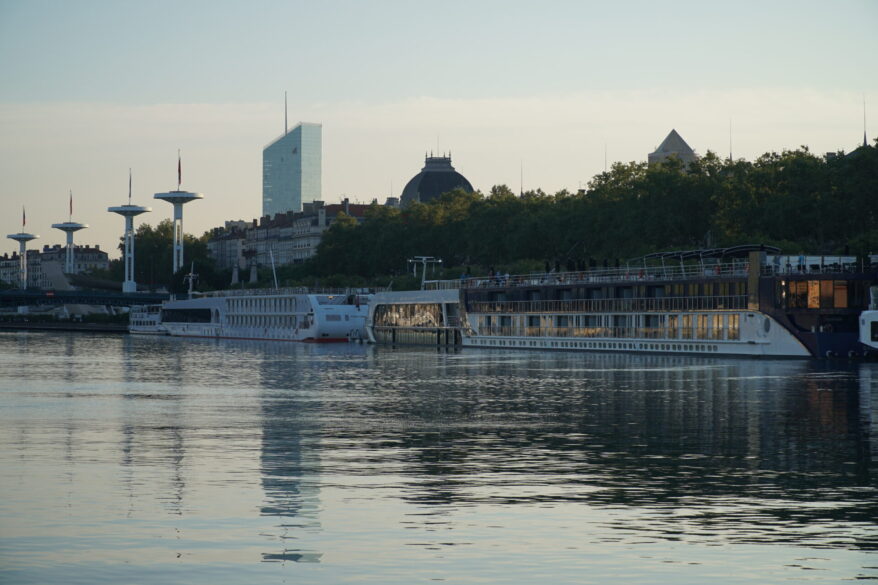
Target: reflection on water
{"points": [[157, 459]]}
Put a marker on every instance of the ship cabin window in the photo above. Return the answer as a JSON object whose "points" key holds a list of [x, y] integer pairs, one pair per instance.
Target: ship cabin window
{"points": [[533, 321], [505, 321], [817, 294], [592, 320], [874, 331], [677, 290], [498, 296], [813, 294], [624, 292], [655, 292], [701, 327], [565, 294], [594, 293], [840, 294], [686, 326], [734, 327], [673, 321], [562, 321], [716, 327], [186, 315], [533, 295], [826, 288], [693, 289]]}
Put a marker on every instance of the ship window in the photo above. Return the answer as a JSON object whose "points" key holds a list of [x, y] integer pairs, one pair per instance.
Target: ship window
{"points": [[672, 326], [734, 327], [826, 294], [813, 294], [840, 294], [874, 330], [701, 332], [686, 326], [717, 327]]}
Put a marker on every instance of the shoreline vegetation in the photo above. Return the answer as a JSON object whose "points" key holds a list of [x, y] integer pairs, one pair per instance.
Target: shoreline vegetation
{"points": [[795, 200]]}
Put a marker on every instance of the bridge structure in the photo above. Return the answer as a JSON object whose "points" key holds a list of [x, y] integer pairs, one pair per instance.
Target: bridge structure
{"points": [[18, 298]]}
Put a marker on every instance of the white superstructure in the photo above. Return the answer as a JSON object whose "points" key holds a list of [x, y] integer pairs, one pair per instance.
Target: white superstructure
{"points": [[283, 315], [146, 320]]}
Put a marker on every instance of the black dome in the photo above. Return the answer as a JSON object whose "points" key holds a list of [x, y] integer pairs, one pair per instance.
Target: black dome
{"points": [[437, 177]]}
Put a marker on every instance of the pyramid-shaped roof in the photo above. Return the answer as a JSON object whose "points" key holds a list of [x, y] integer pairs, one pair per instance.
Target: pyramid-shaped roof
{"points": [[674, 143]]}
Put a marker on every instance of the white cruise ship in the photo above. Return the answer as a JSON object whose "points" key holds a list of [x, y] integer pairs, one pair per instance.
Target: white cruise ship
{"points": [[281, 315], [746, 300]]}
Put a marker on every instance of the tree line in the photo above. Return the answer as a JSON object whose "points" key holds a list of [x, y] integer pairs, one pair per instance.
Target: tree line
{"points": [[793, 199]]}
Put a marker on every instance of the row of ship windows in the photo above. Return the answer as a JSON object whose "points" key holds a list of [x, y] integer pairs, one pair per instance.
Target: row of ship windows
{"points": [[266, 305], [267, 321], [688, 326], [702, 347], [711, 289], [277, 321]]}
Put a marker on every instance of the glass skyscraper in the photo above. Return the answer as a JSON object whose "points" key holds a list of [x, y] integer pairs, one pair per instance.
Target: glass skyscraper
{"points": [[291, 169]]}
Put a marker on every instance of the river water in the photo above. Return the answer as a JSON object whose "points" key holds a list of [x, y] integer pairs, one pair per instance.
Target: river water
{"points": [[157, 460]]}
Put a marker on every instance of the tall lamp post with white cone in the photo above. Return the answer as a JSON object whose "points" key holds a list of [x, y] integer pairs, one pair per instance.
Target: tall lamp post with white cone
{"points": [[129, 212], [22, 238], [70, 227], [178, 198]]}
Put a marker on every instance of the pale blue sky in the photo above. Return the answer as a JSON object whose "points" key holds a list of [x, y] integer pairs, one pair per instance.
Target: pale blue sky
{"points": [[91, 88]]}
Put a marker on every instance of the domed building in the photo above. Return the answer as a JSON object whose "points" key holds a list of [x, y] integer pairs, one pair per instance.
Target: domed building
{"points": [[437, 177]]}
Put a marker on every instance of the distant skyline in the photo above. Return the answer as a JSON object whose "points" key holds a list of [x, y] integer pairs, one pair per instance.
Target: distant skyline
{"points": [[93, 88]]}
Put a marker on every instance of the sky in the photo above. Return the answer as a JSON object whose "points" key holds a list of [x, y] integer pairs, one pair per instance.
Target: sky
{"points": [[532, 95]]}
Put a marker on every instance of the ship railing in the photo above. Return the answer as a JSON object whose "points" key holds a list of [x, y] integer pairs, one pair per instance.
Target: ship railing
{"points": [[297, 290], [631, 274], [633, 305], [809, 269], [443, 284]]}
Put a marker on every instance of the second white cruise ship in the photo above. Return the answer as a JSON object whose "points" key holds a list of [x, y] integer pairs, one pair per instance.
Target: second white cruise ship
{"points": [[282, 315]]}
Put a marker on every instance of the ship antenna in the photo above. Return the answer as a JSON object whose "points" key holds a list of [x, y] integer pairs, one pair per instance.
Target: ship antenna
{"points": [[286, 126], [129, 185], [179, 170], [730, 139], [865, 140]]}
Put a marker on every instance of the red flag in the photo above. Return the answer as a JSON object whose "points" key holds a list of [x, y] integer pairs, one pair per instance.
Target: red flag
{"points": [[71, 203], [179, 171], [23, 218]]}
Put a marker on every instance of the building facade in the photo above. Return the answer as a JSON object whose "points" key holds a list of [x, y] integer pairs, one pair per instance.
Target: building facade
{"points": [[292, 169], [45, 269], [285, 238]]}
